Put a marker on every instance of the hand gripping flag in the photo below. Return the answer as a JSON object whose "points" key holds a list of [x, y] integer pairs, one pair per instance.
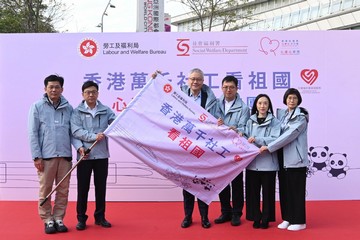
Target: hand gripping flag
{"points": [[180, 140]]}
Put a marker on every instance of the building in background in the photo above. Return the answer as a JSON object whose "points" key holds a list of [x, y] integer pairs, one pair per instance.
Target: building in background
{"points": [[278, 15], [151, 16], [167, 22]]}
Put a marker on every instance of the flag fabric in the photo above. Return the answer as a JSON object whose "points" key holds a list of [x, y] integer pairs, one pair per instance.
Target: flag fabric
{"points": [[180, 140]]}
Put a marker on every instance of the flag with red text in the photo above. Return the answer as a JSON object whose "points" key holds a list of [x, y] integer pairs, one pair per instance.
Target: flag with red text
{"points": [[180, 140]]}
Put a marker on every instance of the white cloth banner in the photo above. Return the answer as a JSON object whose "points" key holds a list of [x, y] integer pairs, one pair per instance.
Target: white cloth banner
{"points": [[169, 132]]}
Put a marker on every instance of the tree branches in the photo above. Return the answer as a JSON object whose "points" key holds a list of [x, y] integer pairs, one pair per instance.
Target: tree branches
{"points": [[211, 13], [30, 16]]}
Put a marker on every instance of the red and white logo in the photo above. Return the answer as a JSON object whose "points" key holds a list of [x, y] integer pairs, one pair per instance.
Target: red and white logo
{"points": [[167, 88], [88, 48], [203, 117], [309, 75], [237, 158], [183, 47]]}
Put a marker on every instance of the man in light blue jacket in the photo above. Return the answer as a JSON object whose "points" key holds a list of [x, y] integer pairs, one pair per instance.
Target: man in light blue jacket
{"points": [[88, 122], [50, 143], [234, 113], [204, 96]]}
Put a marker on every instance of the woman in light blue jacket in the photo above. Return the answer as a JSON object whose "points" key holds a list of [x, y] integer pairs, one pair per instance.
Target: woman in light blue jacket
{"points": [[293, 161], [261, 129]]}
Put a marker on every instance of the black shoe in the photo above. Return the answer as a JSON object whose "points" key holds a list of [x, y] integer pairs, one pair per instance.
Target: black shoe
{"points": [[223, 218], [186, 222], [205, 223], [256, 224], [81, 226], [60, 226], [103, 223], [50, 227], [235, 220], [264, 225]]}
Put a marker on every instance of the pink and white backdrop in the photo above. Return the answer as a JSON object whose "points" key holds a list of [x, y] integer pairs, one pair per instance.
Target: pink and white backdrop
{"points": [[323, 65]]}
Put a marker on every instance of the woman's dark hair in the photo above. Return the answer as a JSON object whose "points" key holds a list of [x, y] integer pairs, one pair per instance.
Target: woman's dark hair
{"points": [[88, 84], [254, 108], [292, 91]]}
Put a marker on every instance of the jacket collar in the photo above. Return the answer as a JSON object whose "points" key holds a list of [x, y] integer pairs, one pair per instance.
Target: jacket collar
{"points": [[267, 121]]}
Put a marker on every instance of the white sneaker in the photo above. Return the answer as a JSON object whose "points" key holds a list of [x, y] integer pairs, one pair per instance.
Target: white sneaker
{"points": [[284, 225], [296, 227]]}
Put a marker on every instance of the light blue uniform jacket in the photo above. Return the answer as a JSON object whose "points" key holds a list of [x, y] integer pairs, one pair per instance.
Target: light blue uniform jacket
{"points": [[211, 99], [85, 127], [293, 138], [264, 134], [237, 115], [49, 129]]}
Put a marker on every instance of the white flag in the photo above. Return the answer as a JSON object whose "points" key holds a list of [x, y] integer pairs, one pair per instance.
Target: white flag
{"points": [[180, 140]]}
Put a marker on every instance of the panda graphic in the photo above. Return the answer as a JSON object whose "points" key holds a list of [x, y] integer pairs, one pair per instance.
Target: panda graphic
{"points": [[338, 165], [319, 157]]}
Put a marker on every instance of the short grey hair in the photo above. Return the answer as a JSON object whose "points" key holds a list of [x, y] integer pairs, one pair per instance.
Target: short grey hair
{"points": [[197, 70]]}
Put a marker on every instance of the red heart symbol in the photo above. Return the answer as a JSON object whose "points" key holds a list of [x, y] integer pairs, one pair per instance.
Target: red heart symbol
{"points": [[309, 76], [237, 158]]}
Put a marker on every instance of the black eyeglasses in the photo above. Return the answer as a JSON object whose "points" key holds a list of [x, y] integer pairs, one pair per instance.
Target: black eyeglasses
{"points": [[94, 92]]}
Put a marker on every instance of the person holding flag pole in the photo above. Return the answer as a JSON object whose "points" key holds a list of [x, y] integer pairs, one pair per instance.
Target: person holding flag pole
{"points": [[231, 111], [88, 122]]}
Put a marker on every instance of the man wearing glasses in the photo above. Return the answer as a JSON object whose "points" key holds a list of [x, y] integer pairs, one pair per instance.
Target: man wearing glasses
{"points": [[88, 122], [234, 113], [204, 96]]}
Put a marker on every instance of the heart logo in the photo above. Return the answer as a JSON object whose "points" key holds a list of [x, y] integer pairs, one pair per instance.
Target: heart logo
{"points": [[268, 45], [309, 75], [237, 158]]}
